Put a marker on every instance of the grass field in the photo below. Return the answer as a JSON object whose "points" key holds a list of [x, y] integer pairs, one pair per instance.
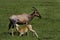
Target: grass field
{"points": [[48, 28]]}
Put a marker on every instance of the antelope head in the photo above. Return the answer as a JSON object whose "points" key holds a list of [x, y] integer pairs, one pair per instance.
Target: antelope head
{"points": [[36, 13]]}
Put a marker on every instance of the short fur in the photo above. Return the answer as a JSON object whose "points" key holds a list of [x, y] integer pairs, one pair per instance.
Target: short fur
{"points": [[22, 18], [25, 29]]}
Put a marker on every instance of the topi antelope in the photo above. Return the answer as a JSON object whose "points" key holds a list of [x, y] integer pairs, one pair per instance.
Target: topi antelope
{"points": [[25, 29], [22, 18]]}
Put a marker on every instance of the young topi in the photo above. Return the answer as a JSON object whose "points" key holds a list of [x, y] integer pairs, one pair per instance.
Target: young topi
{"points": [[25, 29]]}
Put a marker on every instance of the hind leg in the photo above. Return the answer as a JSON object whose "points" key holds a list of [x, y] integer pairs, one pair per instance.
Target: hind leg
{"points": [[10, 29], [13, 25], [10, 26]]}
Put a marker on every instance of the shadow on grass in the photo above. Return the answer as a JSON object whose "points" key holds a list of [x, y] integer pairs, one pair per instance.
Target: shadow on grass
{"points": [[8, 34]]}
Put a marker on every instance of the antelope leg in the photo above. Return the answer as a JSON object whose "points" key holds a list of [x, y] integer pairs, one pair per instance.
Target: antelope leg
{"points": [[34, 32]]}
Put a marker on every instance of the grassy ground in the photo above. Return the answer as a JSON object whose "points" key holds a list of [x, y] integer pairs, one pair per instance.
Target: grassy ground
{"points": [[48, 28]]}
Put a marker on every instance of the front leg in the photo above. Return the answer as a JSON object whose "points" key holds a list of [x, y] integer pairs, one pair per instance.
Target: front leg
{"points": [[21, 34]]}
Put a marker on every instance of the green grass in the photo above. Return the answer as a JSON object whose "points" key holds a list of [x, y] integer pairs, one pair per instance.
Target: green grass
{"points": [[48, 28]]}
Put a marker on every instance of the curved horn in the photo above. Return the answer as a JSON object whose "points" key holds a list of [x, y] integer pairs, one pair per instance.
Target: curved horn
{"points": [[34, 8]]}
